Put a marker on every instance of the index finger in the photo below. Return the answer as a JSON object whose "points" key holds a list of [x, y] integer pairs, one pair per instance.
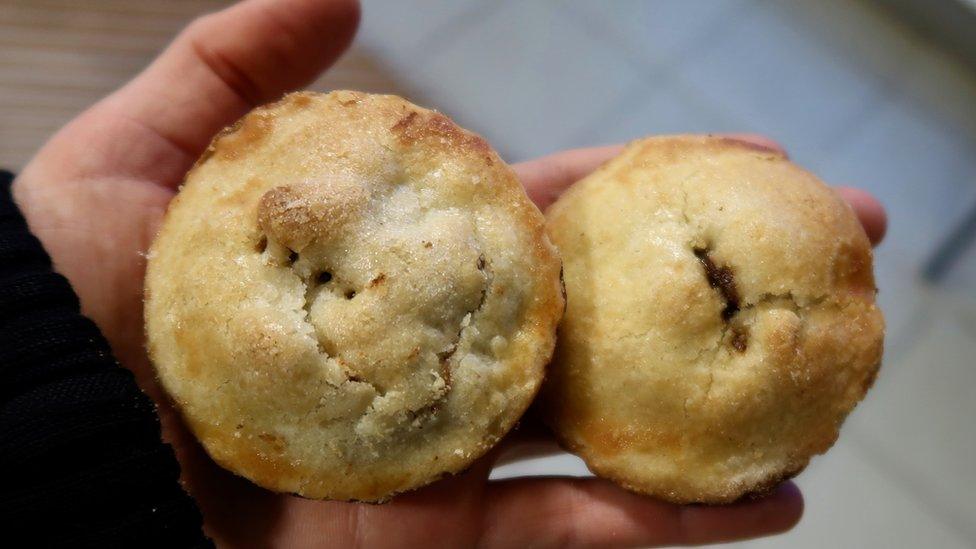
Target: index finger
{"points": [[548, 177], [588, 512]]}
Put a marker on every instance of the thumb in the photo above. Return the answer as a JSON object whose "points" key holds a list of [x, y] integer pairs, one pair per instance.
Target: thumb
{"points": [[227, 62], [220, 66]]}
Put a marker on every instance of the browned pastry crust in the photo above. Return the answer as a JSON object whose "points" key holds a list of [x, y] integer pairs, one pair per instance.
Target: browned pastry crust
{"points": [[721, 319], [350, 297]]}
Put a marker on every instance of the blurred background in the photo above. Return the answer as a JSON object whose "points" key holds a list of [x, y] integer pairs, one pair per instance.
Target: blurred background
{"points": [[879, 94]]}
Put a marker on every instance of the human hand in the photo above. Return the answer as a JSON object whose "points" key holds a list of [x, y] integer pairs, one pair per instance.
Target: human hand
{"points": [[96, 193]]}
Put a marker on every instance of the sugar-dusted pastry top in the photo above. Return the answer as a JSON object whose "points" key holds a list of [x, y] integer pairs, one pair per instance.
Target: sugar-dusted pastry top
{"points": [[350, 297]]}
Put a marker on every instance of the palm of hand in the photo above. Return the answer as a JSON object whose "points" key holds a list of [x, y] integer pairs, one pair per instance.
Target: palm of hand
{"points": [[96, 193]]}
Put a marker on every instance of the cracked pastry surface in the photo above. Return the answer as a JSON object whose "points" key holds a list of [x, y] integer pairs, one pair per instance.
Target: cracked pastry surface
{"points": [[721, 319], [350, 297]]}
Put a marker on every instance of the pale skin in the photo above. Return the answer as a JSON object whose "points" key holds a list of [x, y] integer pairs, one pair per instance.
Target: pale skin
{"points": [[96, 192]]}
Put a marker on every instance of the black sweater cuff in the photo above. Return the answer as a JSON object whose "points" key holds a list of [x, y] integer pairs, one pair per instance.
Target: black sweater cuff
{"points": [[80, 445]]}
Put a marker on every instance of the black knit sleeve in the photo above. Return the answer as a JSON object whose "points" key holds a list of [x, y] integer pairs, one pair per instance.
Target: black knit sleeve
{"points": [[80, 450]]}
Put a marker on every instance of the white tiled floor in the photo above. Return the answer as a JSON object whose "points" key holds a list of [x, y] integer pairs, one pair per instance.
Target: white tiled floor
{"points": [[852, 504], [487, 76], [853, 94], [771, 77], [917, 429]]}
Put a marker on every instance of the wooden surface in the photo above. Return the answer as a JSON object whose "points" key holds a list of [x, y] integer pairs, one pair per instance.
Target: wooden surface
{"points": [[58, 57]]}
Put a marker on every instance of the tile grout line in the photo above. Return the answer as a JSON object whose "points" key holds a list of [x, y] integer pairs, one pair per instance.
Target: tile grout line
{"points": [[935, 507], [652, 71], [688, 51], [442, 36], [671, 72], [884, 87], [878, 76], [884, 80], [428, 48], [866, 445]]}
